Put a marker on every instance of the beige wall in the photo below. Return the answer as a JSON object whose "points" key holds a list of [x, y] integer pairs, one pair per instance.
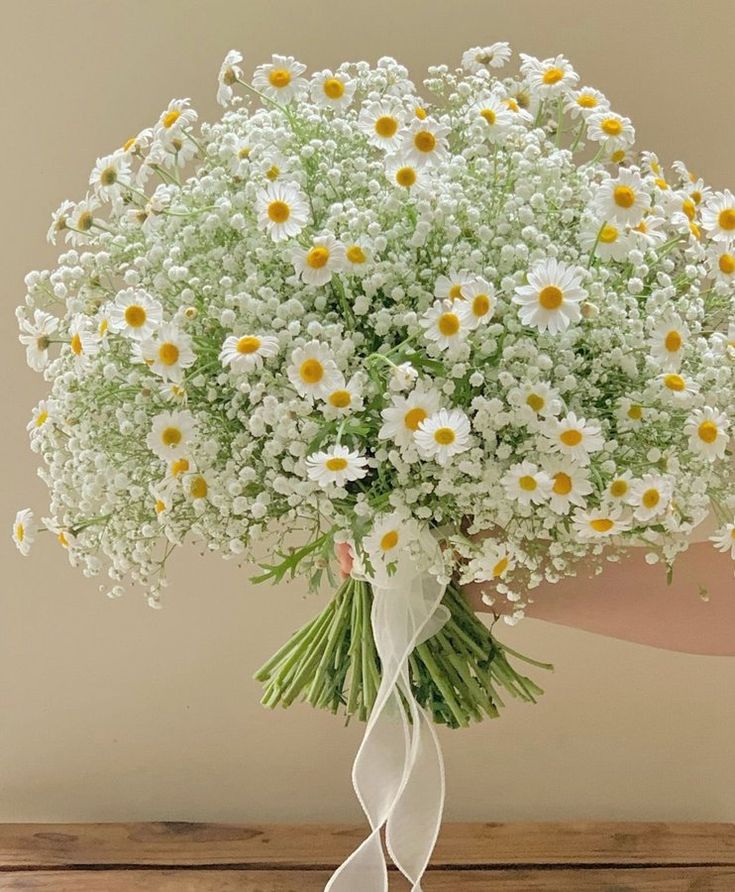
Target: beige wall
{"points": [[112, 711]]}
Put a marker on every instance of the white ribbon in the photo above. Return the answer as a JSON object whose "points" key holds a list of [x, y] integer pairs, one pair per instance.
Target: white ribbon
{"points": [[398, 773]]}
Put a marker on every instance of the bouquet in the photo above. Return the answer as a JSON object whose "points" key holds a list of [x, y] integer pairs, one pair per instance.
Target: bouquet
{"points": [[462, 333]]}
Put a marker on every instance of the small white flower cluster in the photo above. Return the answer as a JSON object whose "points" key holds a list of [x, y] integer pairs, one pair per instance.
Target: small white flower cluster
{"points": [[352, 310]]}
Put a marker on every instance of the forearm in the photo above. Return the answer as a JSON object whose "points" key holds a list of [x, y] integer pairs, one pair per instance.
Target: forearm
{"points": [[631, 600]]}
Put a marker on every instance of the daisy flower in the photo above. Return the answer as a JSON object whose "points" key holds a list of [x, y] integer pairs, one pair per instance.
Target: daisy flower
{"points": [[548, 77], [80, 220], [446, 323], [332, 90], [134, 314], [526, 483], [59, 220], [316, 264], [24, 531], [629, 413], [623, 199], [550, 301], [480, 297], [282, 210], [174, 119], [39, 417], [402, 172], [163, 501], [535, 400], [599, 523], [574, 437], [425, 143], [357, 257], [724, 539], [613, 131], [110, 176], [667, 343], [389, 535], [246, 352], [450, 287], [586, 102], [677, 388], [722, 265], [170, 434], [229, 74], [618, 489], [344, 398], [280, 79], [168, 352], [84, 340], [313, 371], [443, 435], [569, 485], [649, 232], [382, 122], [338, 465], [718, 216], [480, 58], [36, 337], [196, 488], [608, 240], [402, 418], [496, 116], [650, 496], [493, 562], [708, 432]]}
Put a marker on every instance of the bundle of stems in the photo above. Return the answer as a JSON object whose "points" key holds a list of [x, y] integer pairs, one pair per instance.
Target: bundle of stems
{"points": [[457, 675]]}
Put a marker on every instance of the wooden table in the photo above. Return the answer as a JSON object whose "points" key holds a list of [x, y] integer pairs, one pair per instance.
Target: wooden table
{"points": [[181, 857]]}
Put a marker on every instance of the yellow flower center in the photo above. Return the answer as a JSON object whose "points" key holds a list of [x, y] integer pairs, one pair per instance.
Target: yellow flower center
{"points": [[618, 488], [279, 211], [425, 141], [76, 345], [617, 156], [168, 353], [273, 172], [695, 230], [244, 153], [279, 78], [406, 177], [673, 341], [171, 436], [160, 506], [355, 254], [527, 483], [689, 209], [500, 567], [108, 177], [413, 418], [512, 105], [448, 324], [444, 436], [651, 498], [340, 399], [135, 316], [180, 466], [708, 431], [389, 540], [198, 488], [552, 76], [20, 532], [317, 257], [602, 524], [551, 297], [611, 126], [248, 344], [535, 401], [726, 219], [41, 418], [61, 536], [587, 100], [726, 264], [386, 126], [609, 234], [129, 143], [480, 305], [571, 437], [311, 371], [85, 221], [675, 383], [420, 113], [624, 196], [336, 463], [489, 115], [334, 88], [635, 413], [455, 292], [696, 197], [170, 118], [562, 484]]}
